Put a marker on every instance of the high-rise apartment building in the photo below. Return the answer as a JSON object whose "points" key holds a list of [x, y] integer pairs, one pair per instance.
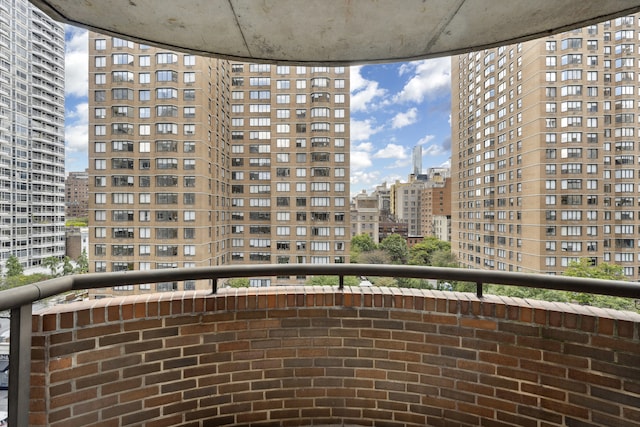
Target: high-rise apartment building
{"points": [[289, 165], [31, 135], [201, 162], [406, 202], [436, 204], [546, 152]]}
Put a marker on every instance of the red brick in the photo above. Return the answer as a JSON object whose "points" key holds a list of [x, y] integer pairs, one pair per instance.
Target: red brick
{"points": [[71, 398], [606, 326], [305, 352], [476, 323], [61, 338], [520, 352], [60, 363], [49, 322], [66, 320], [138, 393], [97, 331], [440, 319]]}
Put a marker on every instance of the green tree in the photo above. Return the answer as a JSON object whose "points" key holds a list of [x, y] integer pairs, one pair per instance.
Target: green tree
{"points": [[411, 282], [238, 282], [77, 222], [82, 263], [20, 280], [584, 268], [421, 253], [332, 281], [463, 286], [67, 267], [362, 243], [605, 271], [52, 263], [387, 282], [376, 256], [13, 266], [581, 268], [396, 246], [442, 258]]}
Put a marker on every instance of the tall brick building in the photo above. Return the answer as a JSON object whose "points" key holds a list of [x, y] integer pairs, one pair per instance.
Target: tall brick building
{"points": [[201, 162], [76, 188], [545, 152]]}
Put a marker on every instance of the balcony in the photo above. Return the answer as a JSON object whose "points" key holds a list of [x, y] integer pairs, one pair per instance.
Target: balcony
{"points": [[322, 355]]}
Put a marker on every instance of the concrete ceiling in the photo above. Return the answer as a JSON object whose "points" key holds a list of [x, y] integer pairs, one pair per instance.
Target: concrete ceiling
{"points": [[332, 32]]}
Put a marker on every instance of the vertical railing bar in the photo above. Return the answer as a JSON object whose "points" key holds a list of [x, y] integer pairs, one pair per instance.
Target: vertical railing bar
{"points": [[19, 365], [214, 286], [479, 289], [341, 282]]}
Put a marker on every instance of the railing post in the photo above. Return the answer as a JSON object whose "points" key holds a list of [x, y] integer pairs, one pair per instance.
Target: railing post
{"points": [[19, 366], [341, 282], [479, 289], [214, 286]]}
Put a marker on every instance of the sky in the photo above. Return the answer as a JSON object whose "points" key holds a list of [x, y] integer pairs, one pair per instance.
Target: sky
{"points": [[394, 107]]}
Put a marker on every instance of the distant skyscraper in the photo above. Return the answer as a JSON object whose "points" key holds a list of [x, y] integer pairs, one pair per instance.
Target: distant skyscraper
{"points": [[545, 152], [416, 160], [31, 135], [199, 162]]}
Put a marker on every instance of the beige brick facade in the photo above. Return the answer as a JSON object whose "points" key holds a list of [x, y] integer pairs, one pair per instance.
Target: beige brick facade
{"points": [[201, 162]]}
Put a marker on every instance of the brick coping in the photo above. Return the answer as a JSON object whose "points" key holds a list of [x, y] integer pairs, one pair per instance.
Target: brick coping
{"points": [[288, 297]]}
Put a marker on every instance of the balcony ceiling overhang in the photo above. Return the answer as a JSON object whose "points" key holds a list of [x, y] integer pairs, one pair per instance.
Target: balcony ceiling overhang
{"points": [[332, 32]]}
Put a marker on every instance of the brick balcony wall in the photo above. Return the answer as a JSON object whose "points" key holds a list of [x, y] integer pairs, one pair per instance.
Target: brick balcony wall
{"points": [[293, 356]]}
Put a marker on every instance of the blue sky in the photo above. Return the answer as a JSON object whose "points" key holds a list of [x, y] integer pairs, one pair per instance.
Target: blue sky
{"points": [[394, 107]]}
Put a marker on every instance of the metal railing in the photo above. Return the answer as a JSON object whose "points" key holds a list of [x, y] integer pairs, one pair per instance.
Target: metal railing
{"points": [[19, 300]]}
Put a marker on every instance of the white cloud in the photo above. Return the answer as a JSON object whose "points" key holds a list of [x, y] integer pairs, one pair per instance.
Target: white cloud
{"points": [[432, 77], [76, 130], [365, 146], [356, 81], [405, 119], [361, 156], [363, 92], [360, 160], [434, 150], [392, 151], [76, 61], [399, 163], [406, 67], [425, 139], [362, 130], [364, 177]]}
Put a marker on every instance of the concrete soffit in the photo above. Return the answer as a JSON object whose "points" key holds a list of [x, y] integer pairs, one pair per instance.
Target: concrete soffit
{"points": [[332, 32]]}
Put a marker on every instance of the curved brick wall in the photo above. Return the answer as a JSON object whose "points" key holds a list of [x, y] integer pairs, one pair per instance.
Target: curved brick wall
{"points": [[317, 356]]}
